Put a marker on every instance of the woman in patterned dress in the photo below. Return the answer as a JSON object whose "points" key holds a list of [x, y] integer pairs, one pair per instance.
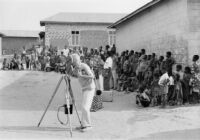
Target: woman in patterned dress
{"points": [[195, 80]]}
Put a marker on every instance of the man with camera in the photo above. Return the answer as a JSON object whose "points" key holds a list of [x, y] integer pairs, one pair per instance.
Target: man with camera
{"points": [[86, 80]]}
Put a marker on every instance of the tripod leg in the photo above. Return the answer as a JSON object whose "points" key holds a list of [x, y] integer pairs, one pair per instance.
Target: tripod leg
{"points": [[54, 93], [68, 115], [67, 97], [71, 93]]}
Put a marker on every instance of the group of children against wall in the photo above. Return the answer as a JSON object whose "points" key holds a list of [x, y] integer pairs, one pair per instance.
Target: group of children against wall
{"points": [[156, 81]]}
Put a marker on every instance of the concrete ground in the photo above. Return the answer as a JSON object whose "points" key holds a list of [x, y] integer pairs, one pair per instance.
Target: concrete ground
{"points": [[25, 94]]}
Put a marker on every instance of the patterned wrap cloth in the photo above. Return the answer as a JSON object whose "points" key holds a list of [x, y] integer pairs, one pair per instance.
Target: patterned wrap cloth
{"points": [[195, 80]]}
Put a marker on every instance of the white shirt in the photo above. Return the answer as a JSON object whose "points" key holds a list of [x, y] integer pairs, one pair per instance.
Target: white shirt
{"points": [[108, 63], [66, 52], [39, 50], [86, 83], [165, 80]]}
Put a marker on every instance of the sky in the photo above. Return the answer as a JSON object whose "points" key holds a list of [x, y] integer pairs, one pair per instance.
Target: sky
{"points": [[26, 14]]}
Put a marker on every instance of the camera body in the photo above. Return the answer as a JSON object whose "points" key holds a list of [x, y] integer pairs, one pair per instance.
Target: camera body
{"points": [[70, 109]]}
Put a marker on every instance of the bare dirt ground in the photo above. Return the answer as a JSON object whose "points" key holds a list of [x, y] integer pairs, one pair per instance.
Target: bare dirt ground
{"points": [[24, 96]]}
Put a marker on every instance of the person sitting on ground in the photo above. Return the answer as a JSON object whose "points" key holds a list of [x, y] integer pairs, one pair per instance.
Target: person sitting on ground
{"points": [[97, 102], [5, 64], [143, 98]]}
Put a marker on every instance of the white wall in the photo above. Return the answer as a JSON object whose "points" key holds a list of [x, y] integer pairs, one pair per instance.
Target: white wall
{"points": [[162, 28], [194, 27]]}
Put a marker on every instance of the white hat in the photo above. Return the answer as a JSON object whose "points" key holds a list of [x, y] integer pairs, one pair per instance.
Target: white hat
{"points": [[75, 59]]}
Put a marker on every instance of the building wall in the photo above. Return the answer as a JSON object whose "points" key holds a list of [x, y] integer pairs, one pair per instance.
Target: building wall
{"points": [[14, 44], [91, 36], [194, 27], [93, 39], [160, 28]]}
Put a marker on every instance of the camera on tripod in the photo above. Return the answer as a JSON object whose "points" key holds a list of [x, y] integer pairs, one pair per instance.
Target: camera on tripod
{"points": [[68, 106], [70, 109]]}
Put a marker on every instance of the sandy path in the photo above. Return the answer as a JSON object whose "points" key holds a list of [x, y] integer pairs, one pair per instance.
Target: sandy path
{"points": [[22, 103], [6, 78]]}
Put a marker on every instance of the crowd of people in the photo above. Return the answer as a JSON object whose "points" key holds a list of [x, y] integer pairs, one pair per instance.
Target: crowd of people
{"points": [[158, 81]]}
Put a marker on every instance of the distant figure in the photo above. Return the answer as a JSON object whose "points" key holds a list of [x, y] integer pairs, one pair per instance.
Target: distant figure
{"points": [[66, 50]]}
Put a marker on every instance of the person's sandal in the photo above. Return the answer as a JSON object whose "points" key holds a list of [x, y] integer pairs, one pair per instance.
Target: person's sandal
{"points": [[85, 129], [79, 127]]}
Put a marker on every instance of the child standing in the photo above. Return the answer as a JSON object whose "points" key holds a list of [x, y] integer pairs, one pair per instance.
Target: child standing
{"points": [[164, 82], [186, 87], [156, 90], [195, 80], [178, 92]]}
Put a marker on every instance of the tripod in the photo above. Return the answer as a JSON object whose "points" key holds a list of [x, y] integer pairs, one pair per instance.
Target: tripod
{"points": [[68, 95]]}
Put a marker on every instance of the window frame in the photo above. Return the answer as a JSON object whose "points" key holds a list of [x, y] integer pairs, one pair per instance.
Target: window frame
{"points": [[111, 37], [75, 38]]}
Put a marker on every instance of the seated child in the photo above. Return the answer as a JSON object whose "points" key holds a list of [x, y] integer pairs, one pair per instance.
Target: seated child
{"points": [[133, 83], [5, 64], [143, 98], [97, 102], [121, 82]]}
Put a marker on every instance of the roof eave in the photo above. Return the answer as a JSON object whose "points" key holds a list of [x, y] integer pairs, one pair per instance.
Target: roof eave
{"points": [[19, 36], [42, 23], [141, 9]]}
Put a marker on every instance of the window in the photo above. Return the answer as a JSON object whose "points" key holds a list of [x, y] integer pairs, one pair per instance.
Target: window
{"points": [[112, 38], [75, 38], [3, 52]]}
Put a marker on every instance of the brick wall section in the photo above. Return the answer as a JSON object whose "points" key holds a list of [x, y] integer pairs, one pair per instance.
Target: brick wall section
{"points": [[93, 39], [12, 44], [194, 27], [91, 35], [158, 29]]}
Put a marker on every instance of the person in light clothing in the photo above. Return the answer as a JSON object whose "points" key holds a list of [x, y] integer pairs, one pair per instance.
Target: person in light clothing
{"points": [[86, 80], [65, 51], [165, 80], [108, 66]]}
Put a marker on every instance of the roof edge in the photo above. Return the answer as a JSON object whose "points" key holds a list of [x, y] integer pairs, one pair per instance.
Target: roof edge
{"points": [[42, 23], [134, 13]]}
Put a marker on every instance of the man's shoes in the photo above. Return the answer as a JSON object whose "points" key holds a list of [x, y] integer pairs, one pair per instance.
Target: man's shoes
{"points": [[85, 129], [79, 128]]}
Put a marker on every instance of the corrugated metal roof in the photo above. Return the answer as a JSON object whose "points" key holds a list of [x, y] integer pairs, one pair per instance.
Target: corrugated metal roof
{"points": [[19, 33], [131, 15], [106, 18]]}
